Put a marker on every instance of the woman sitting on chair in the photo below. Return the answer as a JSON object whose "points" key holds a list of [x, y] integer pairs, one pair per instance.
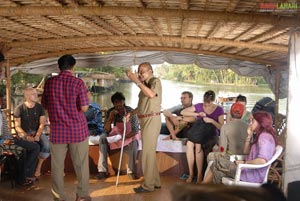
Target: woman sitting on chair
{"points": [[260, 149]]}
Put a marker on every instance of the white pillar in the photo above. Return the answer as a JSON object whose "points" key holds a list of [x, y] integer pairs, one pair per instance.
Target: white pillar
{"points": [[292, 154]]}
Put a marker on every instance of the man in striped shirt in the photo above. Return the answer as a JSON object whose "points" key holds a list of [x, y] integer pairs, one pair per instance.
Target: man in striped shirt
{"points": [[65, 98]]}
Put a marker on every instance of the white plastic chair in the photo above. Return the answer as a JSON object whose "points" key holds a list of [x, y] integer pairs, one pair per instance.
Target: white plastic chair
{"points": [[236, 180]]}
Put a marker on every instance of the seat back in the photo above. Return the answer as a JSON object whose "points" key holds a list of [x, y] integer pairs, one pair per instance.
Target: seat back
{"points": [[236, 180], [278, 151]]}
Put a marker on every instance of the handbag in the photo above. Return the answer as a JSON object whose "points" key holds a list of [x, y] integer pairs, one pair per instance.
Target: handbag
{"points": [[200, 132]]}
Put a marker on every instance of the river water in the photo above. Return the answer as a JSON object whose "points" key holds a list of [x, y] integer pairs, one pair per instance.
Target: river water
{"points": [[172, 92]]}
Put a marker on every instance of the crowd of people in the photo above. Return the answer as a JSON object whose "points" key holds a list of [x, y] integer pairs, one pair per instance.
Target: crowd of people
{"points": [[73, 119]]}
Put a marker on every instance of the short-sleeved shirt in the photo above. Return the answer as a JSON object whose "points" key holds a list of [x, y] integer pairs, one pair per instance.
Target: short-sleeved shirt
{"points": [[177, 109], [30, 117], [148, 105], [264, 148], [214, 115], [119, 118], [233, 136], [63, 97]]}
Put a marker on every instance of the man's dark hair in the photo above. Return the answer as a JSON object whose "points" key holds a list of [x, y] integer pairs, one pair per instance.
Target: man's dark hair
{"points": [[66, 62], [117, 96], [241, 98], [1, 57], [190, 94]]}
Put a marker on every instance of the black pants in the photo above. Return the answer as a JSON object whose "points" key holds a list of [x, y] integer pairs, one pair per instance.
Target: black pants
{"points": [[32, 150]]}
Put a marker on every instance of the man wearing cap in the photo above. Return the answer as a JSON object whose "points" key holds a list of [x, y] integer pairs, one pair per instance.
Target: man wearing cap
{"points": [[234, 133], [232, 136]]}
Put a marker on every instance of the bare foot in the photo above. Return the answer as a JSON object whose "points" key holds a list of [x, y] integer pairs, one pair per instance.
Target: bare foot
{"points": [[189, 180], [37, 174], [199, 179]]}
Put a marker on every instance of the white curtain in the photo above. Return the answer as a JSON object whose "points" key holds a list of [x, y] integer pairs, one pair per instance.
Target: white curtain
{"points": [[292, 155]]}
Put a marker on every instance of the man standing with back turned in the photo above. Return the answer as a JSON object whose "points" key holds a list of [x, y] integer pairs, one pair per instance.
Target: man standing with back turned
{"points": [[65, 98], [148, 111]]}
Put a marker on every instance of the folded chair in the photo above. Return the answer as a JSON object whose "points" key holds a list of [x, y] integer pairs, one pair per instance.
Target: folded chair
{"points": [[237, 181]]}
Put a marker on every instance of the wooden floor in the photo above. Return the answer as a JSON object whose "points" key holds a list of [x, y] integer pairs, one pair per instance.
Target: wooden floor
{"points": [[100, 190]]}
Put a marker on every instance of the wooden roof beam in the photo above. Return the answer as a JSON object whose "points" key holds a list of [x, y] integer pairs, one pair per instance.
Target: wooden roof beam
{"points": [[71, 2], [154, 25], [232, 5], [215, 30], [143, 4], [150, 48], [272, 38], [267, 34], [153, 12], [184, 26], [185, 4], [117, 20], [104, 25], [212, 42], [169, 27]]}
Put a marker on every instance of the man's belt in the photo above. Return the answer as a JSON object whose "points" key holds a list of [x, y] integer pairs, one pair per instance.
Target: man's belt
{"points": [[148, 115]]}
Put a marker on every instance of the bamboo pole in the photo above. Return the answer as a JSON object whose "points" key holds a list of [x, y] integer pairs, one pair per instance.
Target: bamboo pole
{"points": [[170, 39], [277, 90], [8, 94]]}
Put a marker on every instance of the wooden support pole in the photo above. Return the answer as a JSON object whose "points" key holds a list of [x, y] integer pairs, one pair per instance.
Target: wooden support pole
{"points": [[277, 86], [8, 94]]}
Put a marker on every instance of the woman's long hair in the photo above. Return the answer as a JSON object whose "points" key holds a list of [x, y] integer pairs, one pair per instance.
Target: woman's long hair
{"points": [[265, 124]]}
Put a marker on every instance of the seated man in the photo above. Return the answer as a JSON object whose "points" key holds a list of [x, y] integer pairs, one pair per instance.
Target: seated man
{"points": [[176, 125], [30, 119], [114, 119], [232, 135], [16, 147]]}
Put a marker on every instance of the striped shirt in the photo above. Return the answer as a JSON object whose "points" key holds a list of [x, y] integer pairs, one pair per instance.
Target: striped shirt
{"points": [[63, 97]]}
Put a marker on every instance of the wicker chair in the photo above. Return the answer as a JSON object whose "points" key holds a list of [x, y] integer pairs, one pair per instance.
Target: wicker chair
{"points": [[277, 168]]}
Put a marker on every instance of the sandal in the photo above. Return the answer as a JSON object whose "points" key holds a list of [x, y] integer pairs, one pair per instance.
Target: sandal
{"points": [[28, 182], [33, 179]]}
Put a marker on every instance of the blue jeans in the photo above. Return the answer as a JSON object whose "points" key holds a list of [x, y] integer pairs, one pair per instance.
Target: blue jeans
{"points": [[32, 152], [44, 146]]}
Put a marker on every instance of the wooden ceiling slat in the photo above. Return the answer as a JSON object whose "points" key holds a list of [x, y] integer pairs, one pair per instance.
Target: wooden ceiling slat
{"points": [[232, 5], [104, 25], [129, 11], [263, 36], [155, 26], [184, 4], [216, 42], [122, 24], [216, 27]]}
